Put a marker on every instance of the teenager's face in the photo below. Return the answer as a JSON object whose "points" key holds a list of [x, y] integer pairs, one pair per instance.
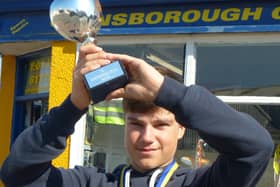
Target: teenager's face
{"points": [[151, 138]]}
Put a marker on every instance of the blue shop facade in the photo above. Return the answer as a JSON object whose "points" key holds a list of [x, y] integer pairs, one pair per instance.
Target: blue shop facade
{"points": [[231, 48]]}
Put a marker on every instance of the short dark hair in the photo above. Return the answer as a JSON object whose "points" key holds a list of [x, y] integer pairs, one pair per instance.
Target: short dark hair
{"points": [[142, 107]]}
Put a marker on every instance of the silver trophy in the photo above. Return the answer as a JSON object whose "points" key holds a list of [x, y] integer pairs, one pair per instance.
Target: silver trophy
{"points": [[76, 20], [79, 21]]}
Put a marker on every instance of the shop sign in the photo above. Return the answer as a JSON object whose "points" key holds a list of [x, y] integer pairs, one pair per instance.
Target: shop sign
{"points": [[186, 19], [179, 18], [38, 76]]}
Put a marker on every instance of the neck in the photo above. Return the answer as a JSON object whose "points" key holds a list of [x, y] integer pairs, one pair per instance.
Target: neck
{"points": [[145, 170]]}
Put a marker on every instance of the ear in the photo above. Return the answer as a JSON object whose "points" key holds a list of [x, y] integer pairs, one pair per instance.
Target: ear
{"points": [[181, 131]]}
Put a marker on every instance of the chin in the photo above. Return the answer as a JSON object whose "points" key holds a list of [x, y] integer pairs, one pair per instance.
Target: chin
{"points": [[145, 164]]}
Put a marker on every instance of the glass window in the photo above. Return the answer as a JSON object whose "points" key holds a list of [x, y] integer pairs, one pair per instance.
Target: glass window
{"points": [[34, 109], [239, 70], [37, 76], [168, 55], [104, 135], [31, 90]]}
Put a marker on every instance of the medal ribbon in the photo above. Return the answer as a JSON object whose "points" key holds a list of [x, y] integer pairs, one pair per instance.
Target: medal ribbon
{"points": [[167, 173], [163, 180], [124, 169]]}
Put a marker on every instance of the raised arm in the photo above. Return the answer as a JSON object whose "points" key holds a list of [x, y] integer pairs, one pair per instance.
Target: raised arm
{"points": [[31, 155], [29, 161], [244, 146]]}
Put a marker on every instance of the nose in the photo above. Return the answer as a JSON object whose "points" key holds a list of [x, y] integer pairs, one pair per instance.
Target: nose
{"points": [[147, 134]]}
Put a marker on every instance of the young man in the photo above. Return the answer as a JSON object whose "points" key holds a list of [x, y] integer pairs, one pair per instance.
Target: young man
{"points": [[151, 134]]}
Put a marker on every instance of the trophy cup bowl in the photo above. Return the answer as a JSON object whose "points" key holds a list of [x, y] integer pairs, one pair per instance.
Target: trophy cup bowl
{"points": [[76, 20], [79, 21]]}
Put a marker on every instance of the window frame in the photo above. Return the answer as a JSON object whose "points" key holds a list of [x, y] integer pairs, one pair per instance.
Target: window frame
{"points": [[19, 98]]}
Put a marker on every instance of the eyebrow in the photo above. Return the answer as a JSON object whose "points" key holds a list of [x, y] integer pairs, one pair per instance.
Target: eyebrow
{"points": [[164, 120], [134, 119]]}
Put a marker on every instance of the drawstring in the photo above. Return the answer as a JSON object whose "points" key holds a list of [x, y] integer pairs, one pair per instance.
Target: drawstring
{"points": [[152, 180]]}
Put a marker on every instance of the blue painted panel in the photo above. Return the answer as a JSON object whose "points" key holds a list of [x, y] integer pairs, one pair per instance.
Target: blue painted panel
{"points": [[24, 26], [23, 5], [184, 18]]}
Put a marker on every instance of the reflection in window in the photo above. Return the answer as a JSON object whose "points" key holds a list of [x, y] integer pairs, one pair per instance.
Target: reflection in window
{"points": [[193, 152], [170, 56], [239, 70], [37, 76], [104, 135], [34, 109]]}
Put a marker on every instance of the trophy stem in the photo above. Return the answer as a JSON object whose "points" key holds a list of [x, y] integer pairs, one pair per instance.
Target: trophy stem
{"points": [[90, 40]]}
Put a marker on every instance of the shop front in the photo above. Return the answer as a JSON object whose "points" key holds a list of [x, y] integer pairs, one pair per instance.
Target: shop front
{"points": [[232, 49]]}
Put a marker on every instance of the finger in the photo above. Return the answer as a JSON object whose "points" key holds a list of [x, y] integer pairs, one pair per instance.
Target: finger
{"points": [[91, 56], [87, 49], [90, 48], [119, 93], [89, 68], [98, 55], [101, 62], [125, 59], [93, 65]]}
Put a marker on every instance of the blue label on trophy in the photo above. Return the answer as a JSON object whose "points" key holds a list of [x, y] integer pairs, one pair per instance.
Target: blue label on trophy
{"points": [[104, 74]]}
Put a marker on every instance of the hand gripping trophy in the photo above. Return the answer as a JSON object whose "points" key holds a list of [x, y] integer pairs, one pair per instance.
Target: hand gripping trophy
{"points": [[79, 21]]}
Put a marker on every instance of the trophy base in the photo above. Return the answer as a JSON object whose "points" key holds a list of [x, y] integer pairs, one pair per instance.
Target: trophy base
{"points": [[104, 80]]}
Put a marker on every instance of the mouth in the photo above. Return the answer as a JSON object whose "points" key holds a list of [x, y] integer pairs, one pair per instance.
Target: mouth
{"points": [[147, 150]]}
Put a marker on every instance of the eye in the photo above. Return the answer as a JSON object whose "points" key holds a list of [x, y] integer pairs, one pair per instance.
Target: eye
{"points": [[135, 123], [161, 125]]}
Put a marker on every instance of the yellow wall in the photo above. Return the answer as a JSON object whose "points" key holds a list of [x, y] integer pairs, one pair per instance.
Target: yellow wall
{"points": [[6, 104], [62, 64]]}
